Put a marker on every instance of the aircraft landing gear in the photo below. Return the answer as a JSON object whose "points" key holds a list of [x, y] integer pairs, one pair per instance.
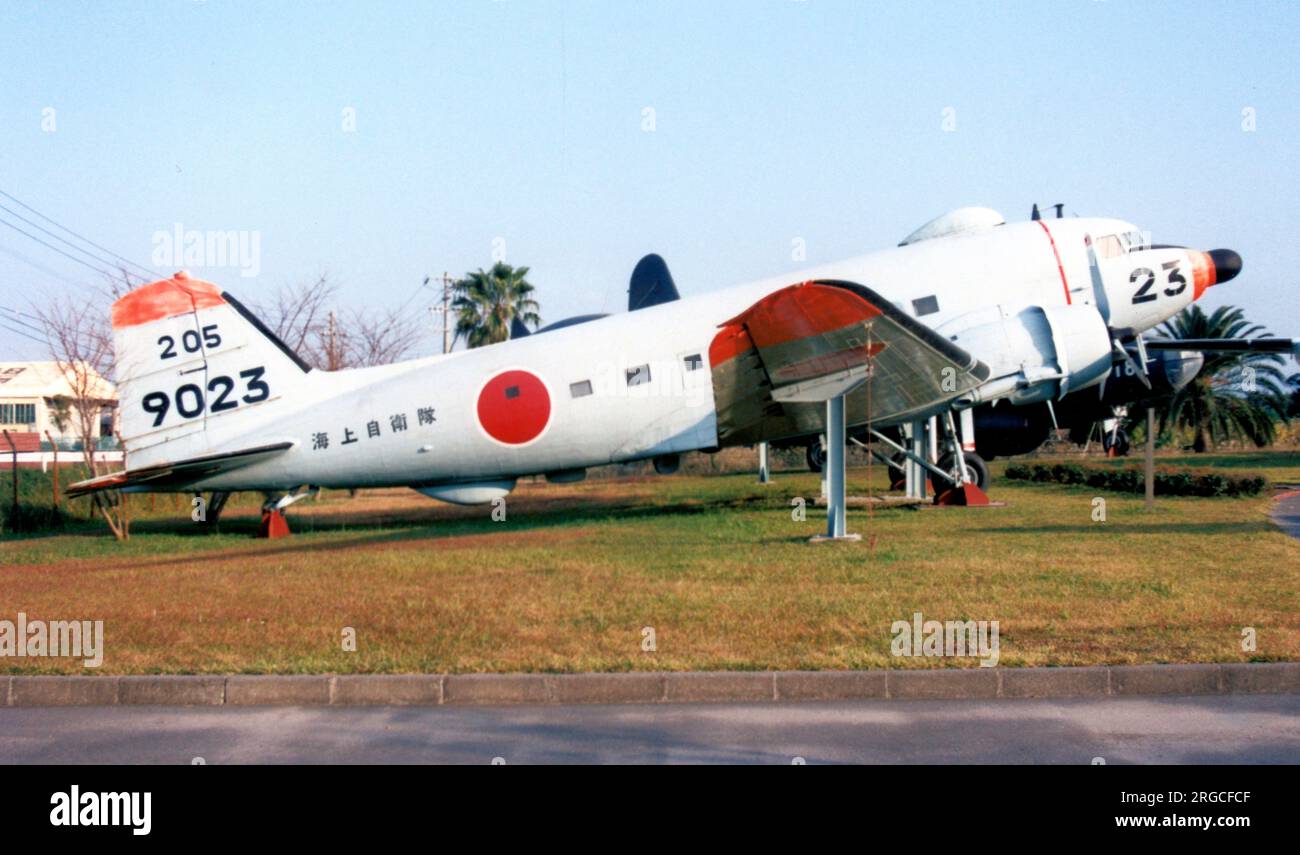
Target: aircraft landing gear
{"points": [[977, 471], [667, 464], [967, 469], [211, 513], [1116, 442], [816, 455], [273, 522]]}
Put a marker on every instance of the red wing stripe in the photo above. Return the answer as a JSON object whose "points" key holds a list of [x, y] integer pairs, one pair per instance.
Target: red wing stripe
{"points": [[790, 314]]}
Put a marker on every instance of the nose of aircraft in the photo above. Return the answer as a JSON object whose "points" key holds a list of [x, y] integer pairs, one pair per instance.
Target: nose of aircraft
{"points": [[1213, 268], [1227, 264]]}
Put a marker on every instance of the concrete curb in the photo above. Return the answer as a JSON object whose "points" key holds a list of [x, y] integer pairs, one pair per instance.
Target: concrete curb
{"points": [[649, 687]]}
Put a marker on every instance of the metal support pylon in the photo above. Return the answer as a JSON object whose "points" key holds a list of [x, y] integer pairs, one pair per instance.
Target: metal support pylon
{"points": [[918, 443], [836, 438], [764, 474]]}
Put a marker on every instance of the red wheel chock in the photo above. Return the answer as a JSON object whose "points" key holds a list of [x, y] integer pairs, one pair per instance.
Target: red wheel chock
{"points": [[273, 525], [964, 494]]}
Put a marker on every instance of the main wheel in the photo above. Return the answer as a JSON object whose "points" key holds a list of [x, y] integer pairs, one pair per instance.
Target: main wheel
{"points": [[816, 456], [977, 471], [1117, 445], [897, 468]]}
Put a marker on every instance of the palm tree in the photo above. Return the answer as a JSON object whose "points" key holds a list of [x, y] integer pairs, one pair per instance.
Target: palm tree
{"points": [[488, 300], [1235, 395]]}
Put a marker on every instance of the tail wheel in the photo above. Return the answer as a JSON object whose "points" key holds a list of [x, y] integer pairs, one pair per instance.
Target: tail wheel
{"points": [[977, 471], [816, 455]]}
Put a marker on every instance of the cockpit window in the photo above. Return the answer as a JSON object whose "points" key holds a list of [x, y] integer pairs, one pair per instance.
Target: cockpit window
{"points": [[1109, 246], [1136, 241]]}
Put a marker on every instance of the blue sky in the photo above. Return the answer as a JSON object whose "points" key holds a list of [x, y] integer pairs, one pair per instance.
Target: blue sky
{"points": [[524, 121]]}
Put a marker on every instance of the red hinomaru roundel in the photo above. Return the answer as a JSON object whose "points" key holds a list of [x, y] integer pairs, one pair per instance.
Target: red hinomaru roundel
{"points": [[514, 407]]}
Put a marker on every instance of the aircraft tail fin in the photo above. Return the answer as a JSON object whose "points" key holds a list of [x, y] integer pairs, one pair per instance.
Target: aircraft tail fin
{"points": [[195, 370], [651, 284]]}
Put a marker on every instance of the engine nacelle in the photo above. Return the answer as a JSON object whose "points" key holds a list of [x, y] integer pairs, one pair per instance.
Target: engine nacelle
{"points": [[1038, 354], [1001, 431], [1006, 430], [1168, 371]]}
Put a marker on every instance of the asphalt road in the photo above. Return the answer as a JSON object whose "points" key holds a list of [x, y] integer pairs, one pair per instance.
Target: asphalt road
{"points": [[1286, 512], [1207, 729]]}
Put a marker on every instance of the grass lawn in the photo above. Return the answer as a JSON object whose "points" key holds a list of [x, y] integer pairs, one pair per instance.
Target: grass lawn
{"points": [[715, 564]]}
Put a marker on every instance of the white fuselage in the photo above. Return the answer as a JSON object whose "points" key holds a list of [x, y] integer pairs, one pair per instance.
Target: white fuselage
{"points": [[976, 288]]}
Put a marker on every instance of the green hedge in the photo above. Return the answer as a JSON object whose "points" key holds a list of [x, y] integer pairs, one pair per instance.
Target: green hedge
{"points": [[1170, 481], [27, 518]]}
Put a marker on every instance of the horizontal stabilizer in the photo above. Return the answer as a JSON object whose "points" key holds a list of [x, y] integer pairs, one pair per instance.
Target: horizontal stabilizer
{"points": [[171, 476]]}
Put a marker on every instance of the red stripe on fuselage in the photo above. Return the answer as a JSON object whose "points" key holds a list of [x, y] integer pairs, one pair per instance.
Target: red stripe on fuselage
{"points": [[1059, 267]]}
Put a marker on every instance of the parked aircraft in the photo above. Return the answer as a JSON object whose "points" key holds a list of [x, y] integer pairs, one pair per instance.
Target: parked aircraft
{"points": [[967, 312]]}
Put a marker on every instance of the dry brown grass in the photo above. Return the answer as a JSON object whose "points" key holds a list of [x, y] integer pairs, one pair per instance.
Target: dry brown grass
{"points": [[714, 564]]}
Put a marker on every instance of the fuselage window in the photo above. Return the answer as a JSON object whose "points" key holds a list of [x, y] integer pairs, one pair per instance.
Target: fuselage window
{"points": [[1135, 241], [694, 362], [1108, 246], [581, 389], [925, 305], [639, 375]]}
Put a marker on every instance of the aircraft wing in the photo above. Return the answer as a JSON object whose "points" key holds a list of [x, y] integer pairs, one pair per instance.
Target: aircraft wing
{"points": [[172, 475], [777, 361], [1226, 345]]}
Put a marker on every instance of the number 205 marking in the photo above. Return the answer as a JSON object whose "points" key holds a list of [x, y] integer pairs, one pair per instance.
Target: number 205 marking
{"points": [[191, 401], [190, 342]]}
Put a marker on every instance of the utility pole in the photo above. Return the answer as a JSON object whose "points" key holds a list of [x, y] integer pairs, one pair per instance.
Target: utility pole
{"points": [[1149, 466], [446, 309], [54, 445], [13, 447], [331, 354]]}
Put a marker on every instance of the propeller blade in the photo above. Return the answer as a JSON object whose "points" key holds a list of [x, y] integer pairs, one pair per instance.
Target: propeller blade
{"points": [[1139, 370], [1098, 286]]}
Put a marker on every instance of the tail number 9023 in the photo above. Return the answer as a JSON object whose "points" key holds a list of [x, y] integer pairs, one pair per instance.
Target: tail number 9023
{"points": [[192, 400]]}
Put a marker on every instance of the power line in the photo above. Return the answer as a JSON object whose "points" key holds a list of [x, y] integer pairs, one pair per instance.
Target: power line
{"points": [[19, 320], [14, 316], [21, 333], [41, 267], [64, 240], [12, 310], [98, 270], [149, 274], [414, 294]]}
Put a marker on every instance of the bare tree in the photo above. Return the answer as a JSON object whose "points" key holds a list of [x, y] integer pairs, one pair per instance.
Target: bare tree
{"points": [[80, 340], [303, 318], [300, 318], [380, 337]]}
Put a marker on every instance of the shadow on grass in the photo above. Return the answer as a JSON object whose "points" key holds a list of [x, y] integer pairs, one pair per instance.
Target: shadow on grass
{"points": [[395, 532], [1140, 528]]}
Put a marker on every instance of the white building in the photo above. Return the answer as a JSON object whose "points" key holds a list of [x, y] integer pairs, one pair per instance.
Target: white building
{"points": [[38, 397]]}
